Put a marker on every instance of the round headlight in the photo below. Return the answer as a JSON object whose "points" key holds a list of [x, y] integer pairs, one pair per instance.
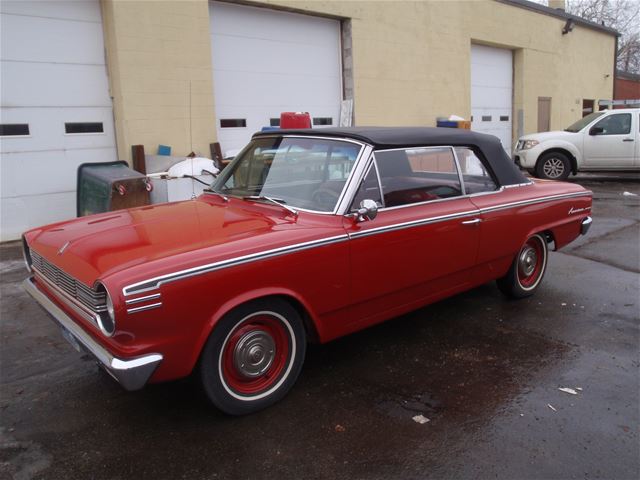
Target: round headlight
{"points": [[107, 319]]}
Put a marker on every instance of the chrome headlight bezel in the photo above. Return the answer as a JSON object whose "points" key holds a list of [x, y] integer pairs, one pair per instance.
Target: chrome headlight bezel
{"points": [[26, 255], [106, 319], [528, 144]]}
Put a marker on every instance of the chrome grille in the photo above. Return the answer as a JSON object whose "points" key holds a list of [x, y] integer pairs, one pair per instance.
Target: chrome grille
{"points": [[94, 301]]}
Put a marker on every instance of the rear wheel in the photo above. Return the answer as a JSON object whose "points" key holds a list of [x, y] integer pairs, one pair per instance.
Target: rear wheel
{"points": [[526, 271], [553, 166], [253, 356]]}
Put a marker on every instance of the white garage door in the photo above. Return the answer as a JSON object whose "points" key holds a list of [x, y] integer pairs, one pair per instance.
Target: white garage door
{"points": [[491, 92], [56, 112], [266, 62]]}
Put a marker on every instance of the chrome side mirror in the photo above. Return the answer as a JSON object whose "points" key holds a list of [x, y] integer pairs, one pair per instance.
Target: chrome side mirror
{"points": [[368, 210]]}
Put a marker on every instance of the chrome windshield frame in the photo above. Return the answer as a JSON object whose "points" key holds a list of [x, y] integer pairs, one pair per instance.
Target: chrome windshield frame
{"points": [[364, 151]]}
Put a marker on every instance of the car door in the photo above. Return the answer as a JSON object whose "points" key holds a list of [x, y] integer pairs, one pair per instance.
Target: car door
{"points": [[423, 243], [610, 142]]}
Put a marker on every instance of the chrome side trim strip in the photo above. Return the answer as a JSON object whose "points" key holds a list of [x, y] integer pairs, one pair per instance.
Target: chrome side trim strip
{"points": [[154, 283], [516, 185], [142, 299], [411, 224], [131, 373], [534, 201], [144, 307]]}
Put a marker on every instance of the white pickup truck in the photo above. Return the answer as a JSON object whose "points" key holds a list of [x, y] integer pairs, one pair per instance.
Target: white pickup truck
{"points": [[608, 140]]}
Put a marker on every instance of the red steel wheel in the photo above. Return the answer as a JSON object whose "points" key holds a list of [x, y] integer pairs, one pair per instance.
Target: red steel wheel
{"points": [[253, 356], [527, 269], [531, 260]]}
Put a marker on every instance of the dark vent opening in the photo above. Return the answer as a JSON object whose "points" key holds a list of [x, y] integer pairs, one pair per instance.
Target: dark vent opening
{"points": [[83, 127], [274, 122], [323, 121], [233, 122], [14, 129]]}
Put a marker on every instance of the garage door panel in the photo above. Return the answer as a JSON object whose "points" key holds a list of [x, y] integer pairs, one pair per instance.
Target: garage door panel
{"points": [[493, 75], [51, 40], [22, 213], [251, 21], [47, 128], [71, 9], [318, 60], [34, 173], [266, 90], [494, 98], [40, 84]]}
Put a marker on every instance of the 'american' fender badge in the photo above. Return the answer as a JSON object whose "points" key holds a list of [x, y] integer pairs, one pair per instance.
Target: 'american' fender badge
{"points": [[63, 248], [577, 210]]}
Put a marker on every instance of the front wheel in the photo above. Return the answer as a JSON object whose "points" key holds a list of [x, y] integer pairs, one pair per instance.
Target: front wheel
{"points": [[553, 166], [526, 271], [253, 356]]}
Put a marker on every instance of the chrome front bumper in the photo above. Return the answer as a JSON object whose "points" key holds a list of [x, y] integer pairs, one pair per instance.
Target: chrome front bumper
{"points": [[586, 225], [132, 374]]}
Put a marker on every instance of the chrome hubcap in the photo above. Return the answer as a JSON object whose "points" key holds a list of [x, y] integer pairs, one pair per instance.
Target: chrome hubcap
{"points": [[254, 353], [553, 168], [528, 260]]}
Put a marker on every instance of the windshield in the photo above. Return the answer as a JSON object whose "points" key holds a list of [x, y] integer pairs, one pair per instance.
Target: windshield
{"points": [[307, 173], [583, 122]]}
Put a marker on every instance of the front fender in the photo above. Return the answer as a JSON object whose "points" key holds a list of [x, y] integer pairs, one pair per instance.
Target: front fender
{"points": [[248, 296], [569, 147]]}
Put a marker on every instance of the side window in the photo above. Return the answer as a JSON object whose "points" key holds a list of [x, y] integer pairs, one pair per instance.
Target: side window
{"points": [[369, 188], [417, 175], [617, 124], [474, 174]]}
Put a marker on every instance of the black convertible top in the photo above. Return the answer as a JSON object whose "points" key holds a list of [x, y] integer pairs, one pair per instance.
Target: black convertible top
{"points": [[393, 137]]}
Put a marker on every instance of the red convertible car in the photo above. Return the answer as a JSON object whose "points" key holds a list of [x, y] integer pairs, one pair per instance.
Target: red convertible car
{"points": [[306, 236]]}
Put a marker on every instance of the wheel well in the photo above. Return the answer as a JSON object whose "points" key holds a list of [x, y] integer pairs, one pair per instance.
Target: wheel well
{"points": [[309, 325], [572, 159], [548, 235]]}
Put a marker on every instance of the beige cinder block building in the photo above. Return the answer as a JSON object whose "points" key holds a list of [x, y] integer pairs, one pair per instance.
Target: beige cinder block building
{"points": [[85, 80]]}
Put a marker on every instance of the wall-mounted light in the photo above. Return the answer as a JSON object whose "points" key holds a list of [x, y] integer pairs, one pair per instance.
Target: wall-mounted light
{"points": [[568, 27]]}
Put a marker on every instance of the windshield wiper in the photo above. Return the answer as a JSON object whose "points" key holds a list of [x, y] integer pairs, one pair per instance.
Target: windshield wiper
{"points": [[275, 201], [221, 195]]}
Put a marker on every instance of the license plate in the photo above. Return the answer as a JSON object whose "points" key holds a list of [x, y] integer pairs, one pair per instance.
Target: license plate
{"points": [[71, 339]]}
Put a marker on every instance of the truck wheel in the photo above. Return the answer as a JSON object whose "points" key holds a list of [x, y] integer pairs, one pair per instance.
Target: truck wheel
{"points": [[554, 166], [527, 269], [253, 356]]}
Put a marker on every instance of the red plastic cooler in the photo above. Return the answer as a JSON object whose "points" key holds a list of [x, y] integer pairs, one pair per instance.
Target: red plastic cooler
{"points": [[295, 120]]}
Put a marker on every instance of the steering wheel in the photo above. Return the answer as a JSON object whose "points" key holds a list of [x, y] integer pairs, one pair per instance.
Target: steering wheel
{"points": [[325, 197]]}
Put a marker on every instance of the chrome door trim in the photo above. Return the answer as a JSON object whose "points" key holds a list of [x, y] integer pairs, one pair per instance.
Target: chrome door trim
{"points": [[412, 223]]}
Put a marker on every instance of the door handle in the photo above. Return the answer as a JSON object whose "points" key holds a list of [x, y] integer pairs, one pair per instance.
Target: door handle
{"points": [[627, 139], [475, 221]]}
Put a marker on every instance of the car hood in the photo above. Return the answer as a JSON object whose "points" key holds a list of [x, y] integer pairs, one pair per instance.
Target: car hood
{"points": [[96, 246], [544, 136]]}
